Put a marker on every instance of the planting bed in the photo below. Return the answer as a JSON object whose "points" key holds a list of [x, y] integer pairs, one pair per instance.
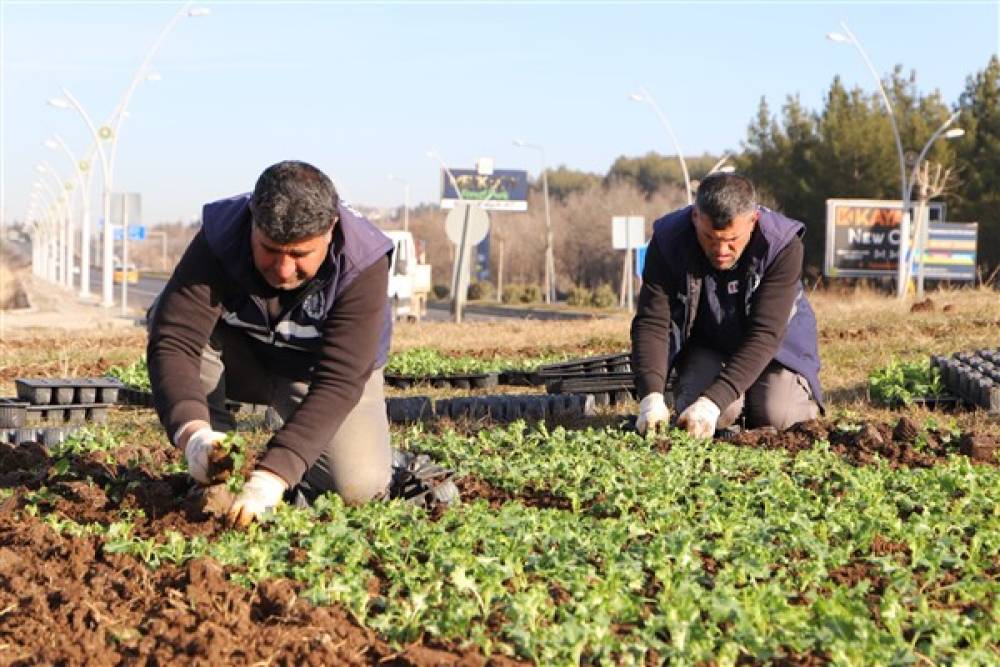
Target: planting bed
{"points": [[855, 542]]}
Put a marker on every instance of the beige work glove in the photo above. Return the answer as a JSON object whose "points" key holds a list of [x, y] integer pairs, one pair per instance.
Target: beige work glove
{"points": [[261, 493], [208, 462], [700, 418], [652, 411]]}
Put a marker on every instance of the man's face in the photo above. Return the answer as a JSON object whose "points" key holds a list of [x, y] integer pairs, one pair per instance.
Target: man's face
{"points": [[288, 266], [723, 247]]}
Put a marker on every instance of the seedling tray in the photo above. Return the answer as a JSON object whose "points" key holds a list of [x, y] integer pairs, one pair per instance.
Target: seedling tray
{"points": [[12, 413], [68, 391], [972, 376], [132, 396], [468, 381], [36, 415], [48, 435]]}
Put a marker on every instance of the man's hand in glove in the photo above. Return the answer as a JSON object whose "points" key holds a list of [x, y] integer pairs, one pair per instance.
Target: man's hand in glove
{"points": [[652, 411], [208, 462], [262, 492], [700, 418]]}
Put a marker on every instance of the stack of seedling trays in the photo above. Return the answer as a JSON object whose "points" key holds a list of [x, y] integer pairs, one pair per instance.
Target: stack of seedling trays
{"points": [[47, 410], [607, 377], [458, 381], [973, 377]]}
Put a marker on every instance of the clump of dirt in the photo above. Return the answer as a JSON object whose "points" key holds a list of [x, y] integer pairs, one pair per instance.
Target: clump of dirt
{"points": [[903, 444], [925, 306]]}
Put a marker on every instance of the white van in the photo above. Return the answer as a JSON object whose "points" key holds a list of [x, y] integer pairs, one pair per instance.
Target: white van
{"points": [[409, 281]]}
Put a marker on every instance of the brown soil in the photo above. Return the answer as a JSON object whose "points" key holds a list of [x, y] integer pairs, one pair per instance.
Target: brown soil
{"points": [[63, 600], [902, 444]]}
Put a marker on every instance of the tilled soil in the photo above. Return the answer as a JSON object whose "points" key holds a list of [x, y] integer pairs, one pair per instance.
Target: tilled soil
{"points": [[904, 444], [63, 600]]}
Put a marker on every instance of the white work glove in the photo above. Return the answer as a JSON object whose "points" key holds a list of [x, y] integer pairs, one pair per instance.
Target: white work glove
{"points": [[700, 418], [261, 493], [205, 464], [652, 411]]}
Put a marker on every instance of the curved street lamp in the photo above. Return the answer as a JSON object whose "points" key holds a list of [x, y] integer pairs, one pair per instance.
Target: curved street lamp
{"points": [[80, 167], [550, 265], [644, 96], [110, 132], [847, 37], [70, 102], [64, 233]]}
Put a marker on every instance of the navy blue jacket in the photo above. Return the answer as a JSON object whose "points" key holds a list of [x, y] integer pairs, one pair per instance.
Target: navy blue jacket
{"points": [[792, 343]]}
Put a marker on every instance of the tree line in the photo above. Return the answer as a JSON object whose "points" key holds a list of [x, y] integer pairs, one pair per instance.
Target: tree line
{"points": [[797, 157]]}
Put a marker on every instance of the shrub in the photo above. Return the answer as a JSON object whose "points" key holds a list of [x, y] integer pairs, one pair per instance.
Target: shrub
{"points": [[604, 297], [512, 293], [579, 296], [441, 291], [531, 294], [480, 290]]}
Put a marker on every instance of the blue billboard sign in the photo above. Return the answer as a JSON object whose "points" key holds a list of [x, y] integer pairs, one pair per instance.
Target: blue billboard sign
{"points": [[503, 190]]}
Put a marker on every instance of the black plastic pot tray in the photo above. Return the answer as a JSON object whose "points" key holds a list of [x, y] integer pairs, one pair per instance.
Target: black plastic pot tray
{"points": [[40, 415], [132, 396], [973, 376], [591, 384], [471, 381], [587, 367], [48, 435], [68, 391]]}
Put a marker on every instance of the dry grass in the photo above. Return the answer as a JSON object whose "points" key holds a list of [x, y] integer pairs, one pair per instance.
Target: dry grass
{"points": [[511, 337], [859, 331]]}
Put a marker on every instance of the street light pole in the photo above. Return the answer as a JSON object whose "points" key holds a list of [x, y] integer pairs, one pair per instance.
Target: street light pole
{"points": [[63, 215], [549, 254], [644, 96], [458, 298], [904, 222], [920, 235], [79, 167], [406, 200], [67, 102]]}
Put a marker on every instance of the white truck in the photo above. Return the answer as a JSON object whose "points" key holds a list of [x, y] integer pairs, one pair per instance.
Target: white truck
{"points": [[409, 281]]}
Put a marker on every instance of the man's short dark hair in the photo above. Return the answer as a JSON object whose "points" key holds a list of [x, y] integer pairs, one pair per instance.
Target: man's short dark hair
{"points": [[293, 201], [722, 197]]}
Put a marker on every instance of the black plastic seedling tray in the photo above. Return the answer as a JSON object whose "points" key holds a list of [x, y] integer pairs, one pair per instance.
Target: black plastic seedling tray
{"points": [[465, 381], [38, 415], [12, 413], [67, 391]]}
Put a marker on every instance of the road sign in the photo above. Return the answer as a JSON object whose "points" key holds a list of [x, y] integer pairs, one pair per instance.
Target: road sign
{"points": [[135, 232], [479, 224], [628, 232]]}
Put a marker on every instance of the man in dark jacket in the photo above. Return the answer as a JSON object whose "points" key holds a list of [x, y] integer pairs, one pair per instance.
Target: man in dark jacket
{"points": [[722, 302], [280, 299]]}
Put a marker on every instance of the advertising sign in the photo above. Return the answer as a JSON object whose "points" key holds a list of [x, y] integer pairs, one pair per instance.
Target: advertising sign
{"points": [[862, 236], [503, 190], [951, 251]]}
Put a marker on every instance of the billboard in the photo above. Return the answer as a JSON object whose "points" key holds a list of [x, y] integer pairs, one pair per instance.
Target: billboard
{"points": [[862, 236], [503, 190], [951, 251]]}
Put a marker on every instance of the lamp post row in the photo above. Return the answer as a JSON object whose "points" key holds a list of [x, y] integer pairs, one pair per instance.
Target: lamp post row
{"points": [[109, 131]]}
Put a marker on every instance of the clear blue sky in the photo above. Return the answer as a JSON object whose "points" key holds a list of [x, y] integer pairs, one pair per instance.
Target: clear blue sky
{"points": [[364, 89]]}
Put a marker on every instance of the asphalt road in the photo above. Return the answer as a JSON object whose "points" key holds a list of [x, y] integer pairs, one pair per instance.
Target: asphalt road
{"points": [[142, 294]]}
